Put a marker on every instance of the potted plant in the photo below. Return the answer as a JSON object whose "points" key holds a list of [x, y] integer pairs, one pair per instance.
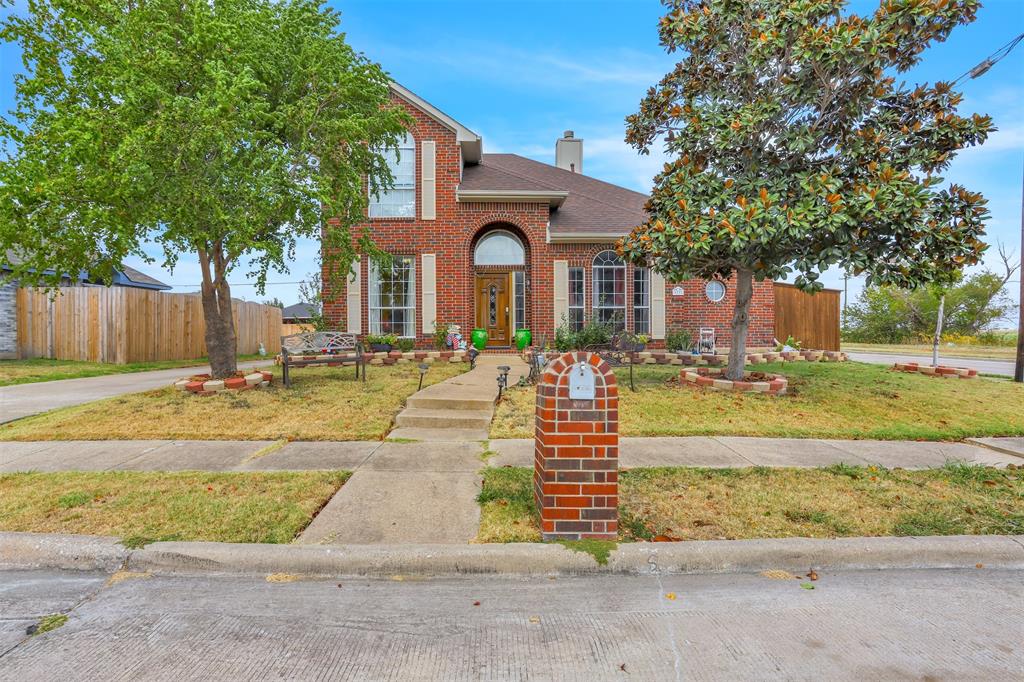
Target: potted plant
{"points": [[523, 338], [479, 338], [382, 343]]}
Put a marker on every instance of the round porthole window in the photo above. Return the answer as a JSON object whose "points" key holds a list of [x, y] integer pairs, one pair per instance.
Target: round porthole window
{"points": [[714, 290]]}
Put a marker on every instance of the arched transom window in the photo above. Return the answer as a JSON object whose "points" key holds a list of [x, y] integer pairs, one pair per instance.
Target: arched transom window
{"points": [[499, 247], [610, 290]]}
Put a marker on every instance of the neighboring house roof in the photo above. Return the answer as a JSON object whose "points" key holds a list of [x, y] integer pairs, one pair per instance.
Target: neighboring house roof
{"points": [[125, 277], [591, 208], [298, 311]]}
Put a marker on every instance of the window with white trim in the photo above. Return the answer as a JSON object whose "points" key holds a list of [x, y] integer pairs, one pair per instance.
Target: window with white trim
{"points": [[393, 297], [610, 290], [641, 301], [400, 200], [577, 298]]}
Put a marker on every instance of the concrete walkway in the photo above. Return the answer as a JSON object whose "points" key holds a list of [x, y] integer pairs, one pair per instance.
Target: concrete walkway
{"points": [[466, 456], [1001, 367], [24, 400], [459, 408]]}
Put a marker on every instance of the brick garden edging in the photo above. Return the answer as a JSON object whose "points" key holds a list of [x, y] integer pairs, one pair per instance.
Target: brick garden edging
{"points": [[711, 378], [203, 384], [395, 357], [710, 360], [940, 371]]}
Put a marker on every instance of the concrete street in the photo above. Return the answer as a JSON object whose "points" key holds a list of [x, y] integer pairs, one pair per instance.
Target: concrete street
{"points": [[24, 400], [1001, 367], [879, 625]]}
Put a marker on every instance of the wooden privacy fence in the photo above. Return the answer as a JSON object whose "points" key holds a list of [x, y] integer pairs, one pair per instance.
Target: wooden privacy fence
{"points": [[288, 328], [811, 319], [122, 325]]}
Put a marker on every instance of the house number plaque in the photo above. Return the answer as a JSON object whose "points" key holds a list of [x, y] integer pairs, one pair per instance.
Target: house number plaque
{"points": [[581, 382]]}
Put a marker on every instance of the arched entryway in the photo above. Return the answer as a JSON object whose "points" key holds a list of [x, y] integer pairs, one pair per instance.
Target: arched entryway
{"points": [[500, 258]]}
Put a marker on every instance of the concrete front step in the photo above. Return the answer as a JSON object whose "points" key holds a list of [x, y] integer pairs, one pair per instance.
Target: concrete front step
{"points": [[431, 402], [444, 419], [418, 433]]}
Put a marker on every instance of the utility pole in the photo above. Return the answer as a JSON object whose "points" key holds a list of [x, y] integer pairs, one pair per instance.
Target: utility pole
{"points": [[1018, 372]]}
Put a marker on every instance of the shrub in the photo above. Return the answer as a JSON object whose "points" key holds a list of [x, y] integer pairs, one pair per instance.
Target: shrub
{"points": [[565, 337], [594, 333], [406, 345], [441, 335], [680, 340]]}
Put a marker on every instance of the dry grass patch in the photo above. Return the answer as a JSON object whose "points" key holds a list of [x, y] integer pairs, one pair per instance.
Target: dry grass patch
{"points": [[143, 507], [733, 504], [947, 354], [324, 403], [827, 400]]}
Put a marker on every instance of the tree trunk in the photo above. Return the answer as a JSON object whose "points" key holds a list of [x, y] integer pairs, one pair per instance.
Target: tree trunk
{"points": [[221, 342], [938, 331], [740, 324]]}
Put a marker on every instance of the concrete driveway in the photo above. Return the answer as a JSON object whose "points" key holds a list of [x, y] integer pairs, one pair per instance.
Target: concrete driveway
{"points": [[1001, 367], [24, 400]]}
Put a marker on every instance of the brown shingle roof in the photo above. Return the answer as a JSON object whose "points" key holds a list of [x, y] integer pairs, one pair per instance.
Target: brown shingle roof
{"points": [[592, 207]]}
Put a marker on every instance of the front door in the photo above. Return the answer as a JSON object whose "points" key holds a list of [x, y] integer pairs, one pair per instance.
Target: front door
{"points": [[493, 307]]}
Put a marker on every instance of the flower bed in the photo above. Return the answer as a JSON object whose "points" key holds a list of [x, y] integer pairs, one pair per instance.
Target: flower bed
{"points": [[939, 371], [659, 357], [753, 382], [204, 384]]}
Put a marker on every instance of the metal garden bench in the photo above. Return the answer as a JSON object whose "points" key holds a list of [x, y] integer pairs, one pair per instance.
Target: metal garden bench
{"points": [[321, 348]]}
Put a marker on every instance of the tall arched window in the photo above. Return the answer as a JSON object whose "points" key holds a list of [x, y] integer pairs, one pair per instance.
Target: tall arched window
{"points": [[610, 290], [499, 248], [399, 201]]}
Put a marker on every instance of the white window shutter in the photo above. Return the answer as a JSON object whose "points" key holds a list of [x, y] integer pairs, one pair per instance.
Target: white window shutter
{"points": [[657, 306], [354, 300], [428, 182], [428, 291], [561, 291]]}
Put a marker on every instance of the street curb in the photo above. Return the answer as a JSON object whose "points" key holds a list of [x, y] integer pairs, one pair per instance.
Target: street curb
{"points": [[67, 552], [30, 550], [995, 447]]}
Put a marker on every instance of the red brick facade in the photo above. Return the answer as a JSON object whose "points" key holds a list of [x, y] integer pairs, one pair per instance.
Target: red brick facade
{"points": [[456, 229], [576, 453]]}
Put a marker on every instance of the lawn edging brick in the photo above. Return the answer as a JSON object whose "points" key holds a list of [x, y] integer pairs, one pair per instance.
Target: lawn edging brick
{"points": [[712, 378], [204, 384], [936, 370]]}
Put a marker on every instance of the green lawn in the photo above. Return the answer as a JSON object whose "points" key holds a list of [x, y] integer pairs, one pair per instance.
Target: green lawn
{"points": [[43, 369], [758, 502], [142, 507], [324, 403], [827, 400]]}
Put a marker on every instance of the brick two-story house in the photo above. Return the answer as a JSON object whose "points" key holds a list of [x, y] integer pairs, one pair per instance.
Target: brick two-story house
{"points": [[502, 242]]}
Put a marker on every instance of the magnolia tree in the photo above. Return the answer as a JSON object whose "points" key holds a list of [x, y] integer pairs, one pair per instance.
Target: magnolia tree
{"points": [[793, 148], [220, 131]]}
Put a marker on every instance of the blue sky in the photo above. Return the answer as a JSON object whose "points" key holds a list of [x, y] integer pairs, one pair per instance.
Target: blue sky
{"points": [[521, 72]]}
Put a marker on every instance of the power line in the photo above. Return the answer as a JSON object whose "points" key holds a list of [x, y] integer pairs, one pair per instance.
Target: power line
{"points": [[991, 60]]}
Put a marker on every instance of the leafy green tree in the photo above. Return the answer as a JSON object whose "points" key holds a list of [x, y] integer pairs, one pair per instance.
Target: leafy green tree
{"points": [[974, 304], [223, 130], [793, 148]]}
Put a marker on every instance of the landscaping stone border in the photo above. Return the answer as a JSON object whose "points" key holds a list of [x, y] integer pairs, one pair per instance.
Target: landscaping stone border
{"points": [[939, 371], [711, 377], [395, 357], [204, 384], [658, 357]]}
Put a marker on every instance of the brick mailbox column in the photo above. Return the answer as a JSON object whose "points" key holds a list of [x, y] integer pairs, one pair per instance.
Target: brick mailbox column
{"points": [[576, 462]]}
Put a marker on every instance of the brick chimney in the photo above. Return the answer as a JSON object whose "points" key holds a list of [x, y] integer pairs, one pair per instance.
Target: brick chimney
{"points": [[569, 153]]}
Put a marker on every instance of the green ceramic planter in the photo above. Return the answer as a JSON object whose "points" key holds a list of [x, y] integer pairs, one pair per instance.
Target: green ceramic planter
{"points": [[523, 338], [479, 338]]}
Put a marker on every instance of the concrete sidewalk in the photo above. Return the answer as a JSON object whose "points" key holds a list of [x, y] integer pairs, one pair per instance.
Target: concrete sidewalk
{"points": [[465, 456], [24, 400]]}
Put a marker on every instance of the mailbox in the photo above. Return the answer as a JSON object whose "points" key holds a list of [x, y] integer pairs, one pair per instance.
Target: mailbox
{"points": [[581, 382]]}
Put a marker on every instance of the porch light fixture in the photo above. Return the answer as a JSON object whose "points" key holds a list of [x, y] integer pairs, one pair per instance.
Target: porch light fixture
{"points": [[423, 370], [503, 371]]}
